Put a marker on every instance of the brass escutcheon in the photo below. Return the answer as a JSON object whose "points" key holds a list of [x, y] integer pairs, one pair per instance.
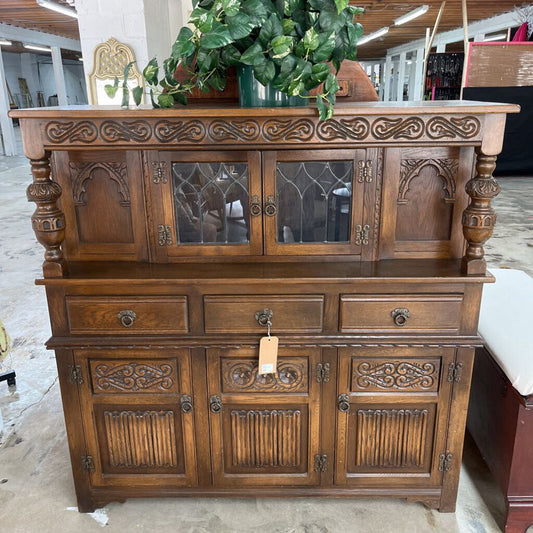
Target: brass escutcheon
{"points": [[126, 318]]}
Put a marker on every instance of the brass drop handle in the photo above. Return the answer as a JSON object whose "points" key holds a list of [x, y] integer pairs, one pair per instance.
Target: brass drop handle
{"points": [[186, 403], [126, 318], [215, 404], [400, 316], [270, 206], [255, 206], [264, 317], [343, 402]]}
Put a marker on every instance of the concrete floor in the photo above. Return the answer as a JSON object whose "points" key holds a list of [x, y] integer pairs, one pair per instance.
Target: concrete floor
{"points": [[36, 488]]}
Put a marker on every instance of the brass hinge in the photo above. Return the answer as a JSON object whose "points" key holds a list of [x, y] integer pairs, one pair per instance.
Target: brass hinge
{"points": [[362, 234], [87, 463], [321, 463], [454, 372], [322, 372], [76, 377], [160, 172], [164, 235], [364, 171], [445, 462]]}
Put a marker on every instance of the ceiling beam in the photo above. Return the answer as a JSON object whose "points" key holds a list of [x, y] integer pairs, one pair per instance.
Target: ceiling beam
{"points": [[14, 33]]}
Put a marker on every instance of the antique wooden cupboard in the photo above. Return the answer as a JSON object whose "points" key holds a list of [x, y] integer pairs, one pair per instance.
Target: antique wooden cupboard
{"points": [[173, 237]]}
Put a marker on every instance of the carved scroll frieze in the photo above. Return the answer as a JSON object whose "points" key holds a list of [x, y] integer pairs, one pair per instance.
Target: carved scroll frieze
{"points": [[266, 438], [386, 375], [275, 130], [70, 132], [81, 172], [240, 375], [137, 131], [138, 376], [391, 438], [345, 129], [141, 439], [234, 130], [192, 131], [398, 128], [462, 127], [446, 170]]}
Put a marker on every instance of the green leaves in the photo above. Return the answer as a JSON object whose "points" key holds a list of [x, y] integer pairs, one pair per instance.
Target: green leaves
{"points": [[137, 93], [239, 26], [281, 46], [264, 72], [253, 54], [111, 90], [231, 7], [218, 37], [310, 40], [165, 100], [184, 45], [202, 19], [271, 28], [151, 72], [341, 5]]}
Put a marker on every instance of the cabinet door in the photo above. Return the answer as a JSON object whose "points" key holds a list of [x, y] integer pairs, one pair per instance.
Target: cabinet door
{"points": [[313, 202], [392, 415], [138, 415], [264, 428], [205, 203]]}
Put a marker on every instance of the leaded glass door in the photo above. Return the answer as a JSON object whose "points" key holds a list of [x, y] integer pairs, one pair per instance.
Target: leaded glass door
{"points": [[313, 204], [210, 203]]}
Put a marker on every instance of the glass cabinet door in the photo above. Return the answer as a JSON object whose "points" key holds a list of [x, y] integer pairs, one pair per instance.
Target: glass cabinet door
{"points": [[210, 203], [312, 203]]}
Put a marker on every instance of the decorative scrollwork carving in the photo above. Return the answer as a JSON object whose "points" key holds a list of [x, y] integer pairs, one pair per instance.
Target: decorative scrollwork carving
{"points": [[70, 132], [483, 188], [288, 130], [137, 131], [234, 130], [396, 374], [356, 129], [192, 131], [398, 128], [80, 173], [241, 375], [464, 127], [133, 377], [49, 191], [446, 170]]}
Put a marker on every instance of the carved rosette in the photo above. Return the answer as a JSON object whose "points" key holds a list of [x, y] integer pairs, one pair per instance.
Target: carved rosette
{"points": [[138, 131], [133, 377], [396, 375], [479, 217], [48, 221]]}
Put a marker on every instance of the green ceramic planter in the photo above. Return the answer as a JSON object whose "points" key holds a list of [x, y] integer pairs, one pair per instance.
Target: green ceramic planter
{"points": [[252, 93]]}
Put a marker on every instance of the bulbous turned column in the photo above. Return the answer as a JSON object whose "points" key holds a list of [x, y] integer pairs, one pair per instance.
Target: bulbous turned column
{"points": [[48, 221], [479, 217]]}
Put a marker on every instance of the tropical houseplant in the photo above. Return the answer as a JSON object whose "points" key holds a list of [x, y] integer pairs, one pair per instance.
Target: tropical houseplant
{"points": [[295, 45]]}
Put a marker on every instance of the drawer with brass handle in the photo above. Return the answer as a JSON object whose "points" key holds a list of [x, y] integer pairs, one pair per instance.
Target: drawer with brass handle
{"points": [[96, 315]]}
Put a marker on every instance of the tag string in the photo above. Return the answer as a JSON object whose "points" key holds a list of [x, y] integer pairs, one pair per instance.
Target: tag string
{"points": [[268, 329]]}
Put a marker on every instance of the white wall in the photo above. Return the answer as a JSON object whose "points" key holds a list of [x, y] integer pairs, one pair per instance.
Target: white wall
{"points": [[43, 77]]}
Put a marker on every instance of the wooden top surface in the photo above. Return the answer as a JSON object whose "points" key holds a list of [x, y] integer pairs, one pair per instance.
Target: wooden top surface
{"points": [[343, 108]]}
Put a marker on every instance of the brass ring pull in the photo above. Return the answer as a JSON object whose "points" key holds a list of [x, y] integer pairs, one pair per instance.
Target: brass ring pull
{"points": [[343, 402], [126, 318], [186, 403], [400, 316], [215, 404], [255, 206], [270, 207], [264, 317]]}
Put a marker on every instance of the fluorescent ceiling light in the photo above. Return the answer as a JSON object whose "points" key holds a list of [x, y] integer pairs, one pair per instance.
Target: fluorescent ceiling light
{"points": [[499, 37], [4, 42], [372, 36], [39, 48], [411, 15], [58, 8]]}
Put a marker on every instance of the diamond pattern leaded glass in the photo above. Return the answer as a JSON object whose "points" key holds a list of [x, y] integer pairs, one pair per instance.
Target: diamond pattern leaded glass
{"points": [[211, 202], [314, 201]]}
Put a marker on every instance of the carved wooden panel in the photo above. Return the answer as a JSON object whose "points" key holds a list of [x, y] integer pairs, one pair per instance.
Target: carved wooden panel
{"points": [[141, 439], [240, 375], [381, 374], [140, 376], [266, 438], [392, 438]]}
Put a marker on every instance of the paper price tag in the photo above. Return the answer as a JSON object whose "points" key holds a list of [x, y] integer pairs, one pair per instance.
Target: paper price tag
{"points": [[268, 355]]}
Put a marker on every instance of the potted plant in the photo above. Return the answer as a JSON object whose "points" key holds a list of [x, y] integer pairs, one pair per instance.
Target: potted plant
{"points": [[293, 46]]}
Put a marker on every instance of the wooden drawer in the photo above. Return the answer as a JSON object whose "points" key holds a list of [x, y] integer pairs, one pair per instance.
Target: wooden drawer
{"points": [[291, 314], [97, 315], [396, 313]]}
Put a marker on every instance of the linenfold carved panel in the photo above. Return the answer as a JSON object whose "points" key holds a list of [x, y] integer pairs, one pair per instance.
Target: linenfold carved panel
{"points": [[384, 375], [140, 376], [141, 439], [266, 438], [240, 375], [391, 438]]}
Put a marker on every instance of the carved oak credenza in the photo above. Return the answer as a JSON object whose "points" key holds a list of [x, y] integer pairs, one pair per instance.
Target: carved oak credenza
{"points": [[176, 238]]}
